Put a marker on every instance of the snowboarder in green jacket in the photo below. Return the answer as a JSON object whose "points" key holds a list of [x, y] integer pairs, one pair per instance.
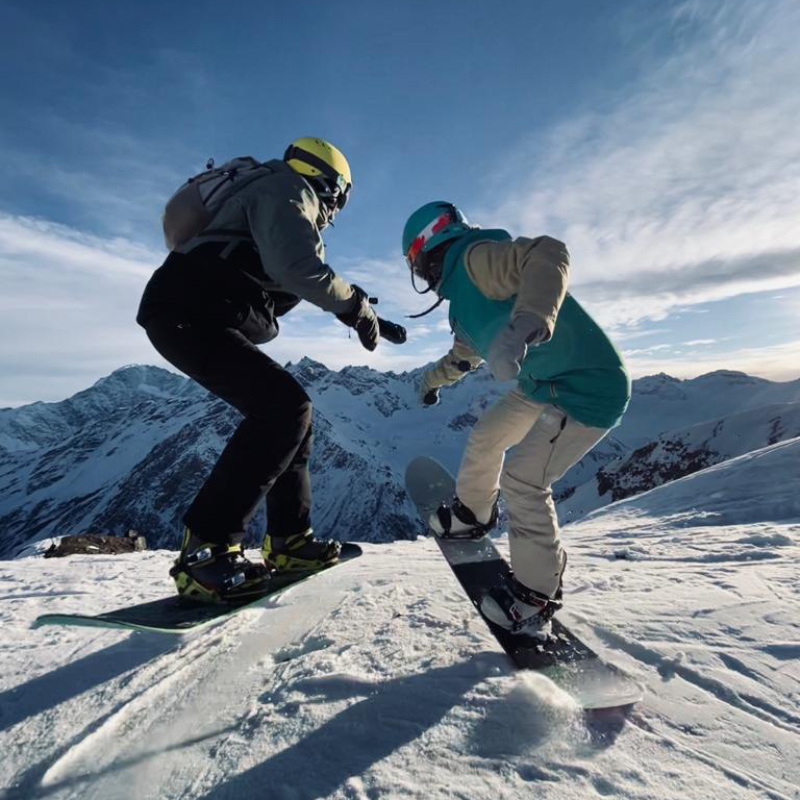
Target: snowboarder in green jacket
{"points": [[509, 306]]}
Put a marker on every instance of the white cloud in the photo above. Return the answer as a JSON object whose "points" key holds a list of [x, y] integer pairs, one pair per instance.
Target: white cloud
{"points": [[28, 244], [656, 348], [68, 306], [69, 302], [778, 362], [630, 333], [666, 197]]}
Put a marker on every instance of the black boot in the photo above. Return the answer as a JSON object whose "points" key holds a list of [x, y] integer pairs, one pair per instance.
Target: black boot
{"points": [[216, 573]]}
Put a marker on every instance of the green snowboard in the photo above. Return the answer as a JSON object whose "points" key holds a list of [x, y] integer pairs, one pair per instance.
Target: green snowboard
{"points": [[176, 614]]}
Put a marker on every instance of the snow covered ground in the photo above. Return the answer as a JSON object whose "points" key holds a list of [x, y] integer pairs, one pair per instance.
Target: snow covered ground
{"points": [[378, 680]]}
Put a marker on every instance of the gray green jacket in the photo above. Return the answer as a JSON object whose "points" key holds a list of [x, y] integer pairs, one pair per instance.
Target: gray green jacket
{"points": [[278, 211], [259, 257], [489, 278]]}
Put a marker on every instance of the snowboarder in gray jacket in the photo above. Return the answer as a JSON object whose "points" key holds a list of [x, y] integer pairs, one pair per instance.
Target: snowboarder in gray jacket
{"points": [[228, 279]]}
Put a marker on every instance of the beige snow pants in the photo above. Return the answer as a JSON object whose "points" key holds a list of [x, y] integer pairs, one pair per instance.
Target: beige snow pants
{"points": [[546, 442]]}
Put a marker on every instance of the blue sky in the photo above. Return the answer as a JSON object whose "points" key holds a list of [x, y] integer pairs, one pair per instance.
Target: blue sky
{"points": [[657, 139]]}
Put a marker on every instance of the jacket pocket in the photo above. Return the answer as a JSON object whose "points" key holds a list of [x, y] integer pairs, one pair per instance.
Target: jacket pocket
{"points": [[258, 326]]}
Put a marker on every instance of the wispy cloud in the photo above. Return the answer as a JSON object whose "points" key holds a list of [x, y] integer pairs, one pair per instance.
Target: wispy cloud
{"points": [[68, 308], [685, 190], [118, 189], [27, 244], [777, 362], [627, 298]]}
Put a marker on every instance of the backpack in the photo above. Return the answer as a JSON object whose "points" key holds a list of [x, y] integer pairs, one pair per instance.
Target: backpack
{"points": [[189, 211]]}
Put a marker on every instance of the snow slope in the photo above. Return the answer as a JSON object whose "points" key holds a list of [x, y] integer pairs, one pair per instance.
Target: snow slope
{"points": [[378, 680], [678, 453]]}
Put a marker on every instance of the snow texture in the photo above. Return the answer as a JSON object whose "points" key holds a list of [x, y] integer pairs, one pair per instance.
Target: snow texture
{"points": [[378, 679]]}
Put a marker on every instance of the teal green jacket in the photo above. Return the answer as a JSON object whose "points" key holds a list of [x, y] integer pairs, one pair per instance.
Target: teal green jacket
{"points": [[578, 369]]}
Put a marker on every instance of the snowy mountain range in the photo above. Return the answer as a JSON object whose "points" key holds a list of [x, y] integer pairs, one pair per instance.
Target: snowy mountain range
{"points": [[131, 451]]}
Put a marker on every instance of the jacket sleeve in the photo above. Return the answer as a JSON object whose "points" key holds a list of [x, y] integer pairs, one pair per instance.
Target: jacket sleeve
{"points": [[292, 252], [535, 270], [460, 360]]}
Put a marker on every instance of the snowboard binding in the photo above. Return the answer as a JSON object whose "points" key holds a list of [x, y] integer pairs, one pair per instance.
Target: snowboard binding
{"points": [[299, 552], [454, 520], [216, 573], [518, 609]]}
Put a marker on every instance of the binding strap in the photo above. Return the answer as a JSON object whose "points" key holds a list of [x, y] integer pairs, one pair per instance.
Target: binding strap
{"points": [[203, 555]]}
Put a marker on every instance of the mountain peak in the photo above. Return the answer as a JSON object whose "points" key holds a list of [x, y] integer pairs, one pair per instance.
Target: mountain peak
{"points": [[308, 371], [732, 376], [659, 377], [141, 379]]}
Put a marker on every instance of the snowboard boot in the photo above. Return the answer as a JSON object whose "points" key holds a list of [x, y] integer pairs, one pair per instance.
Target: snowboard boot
{"points": [[456, 521], [299, 552], [516, 608], [216, 573]]}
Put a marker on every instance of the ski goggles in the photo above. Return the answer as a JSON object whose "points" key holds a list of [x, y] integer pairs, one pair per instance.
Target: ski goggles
{"points": [[338, 192]]}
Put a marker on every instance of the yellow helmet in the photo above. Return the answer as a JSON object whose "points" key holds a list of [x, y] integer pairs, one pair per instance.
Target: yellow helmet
{"points": [[325, 168]]}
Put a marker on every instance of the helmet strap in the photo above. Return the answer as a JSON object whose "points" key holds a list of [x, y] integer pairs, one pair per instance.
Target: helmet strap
{"points": [[425, 313], [414, 277]]}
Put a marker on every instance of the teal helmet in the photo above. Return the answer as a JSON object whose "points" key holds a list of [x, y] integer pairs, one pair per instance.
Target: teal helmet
{"points": [[428, 227]]}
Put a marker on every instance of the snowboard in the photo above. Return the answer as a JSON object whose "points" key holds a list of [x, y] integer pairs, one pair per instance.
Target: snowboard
{"points": [[176, 614], [477, 564]]}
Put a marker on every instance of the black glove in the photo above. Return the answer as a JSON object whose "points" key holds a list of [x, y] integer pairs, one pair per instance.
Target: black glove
{"points": [[395, 333], [430, 398], [362, 318]]}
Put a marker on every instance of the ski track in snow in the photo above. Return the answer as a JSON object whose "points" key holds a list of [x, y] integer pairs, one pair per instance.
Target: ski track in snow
{"points": [[378, 680]]}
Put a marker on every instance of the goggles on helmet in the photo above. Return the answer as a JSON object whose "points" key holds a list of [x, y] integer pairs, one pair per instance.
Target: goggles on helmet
{"points": [[334, 192], [416, 250]]}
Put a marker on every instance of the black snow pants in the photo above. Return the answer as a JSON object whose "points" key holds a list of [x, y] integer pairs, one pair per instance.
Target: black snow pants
{"points": [[268, 453]]}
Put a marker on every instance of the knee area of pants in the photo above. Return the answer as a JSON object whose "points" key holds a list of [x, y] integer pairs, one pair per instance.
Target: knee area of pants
{"points": [[291, 409], [297, 413], [512, 484], [305, 413], [485, 435]]}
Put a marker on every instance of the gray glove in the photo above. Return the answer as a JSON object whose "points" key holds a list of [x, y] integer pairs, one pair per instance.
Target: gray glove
{"points": [[510, 346]]}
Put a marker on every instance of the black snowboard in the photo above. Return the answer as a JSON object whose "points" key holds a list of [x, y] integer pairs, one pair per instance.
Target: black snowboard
{"points": [[477, 564], [176, 614]]}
